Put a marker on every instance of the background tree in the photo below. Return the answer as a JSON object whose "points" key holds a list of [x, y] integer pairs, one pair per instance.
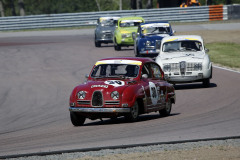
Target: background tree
{"points": [[98, 5], [139, 4], [12, 6], [1, 9], [21, 7], [149, 4], [37, 7], [133, 4]]}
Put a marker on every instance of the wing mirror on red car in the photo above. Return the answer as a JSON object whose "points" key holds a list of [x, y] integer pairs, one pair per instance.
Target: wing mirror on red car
{"points": [[144, 76]]}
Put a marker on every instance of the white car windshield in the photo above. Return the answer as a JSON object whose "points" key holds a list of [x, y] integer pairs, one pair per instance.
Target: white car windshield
{"points": [[115, 70], [182, 46]]}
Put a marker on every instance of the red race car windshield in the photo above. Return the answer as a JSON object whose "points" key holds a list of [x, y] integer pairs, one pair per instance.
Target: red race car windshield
{"points": [[115, 70]]}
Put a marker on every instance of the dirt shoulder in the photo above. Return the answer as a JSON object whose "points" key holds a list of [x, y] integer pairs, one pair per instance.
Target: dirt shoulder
{"points": [[203, 153]]}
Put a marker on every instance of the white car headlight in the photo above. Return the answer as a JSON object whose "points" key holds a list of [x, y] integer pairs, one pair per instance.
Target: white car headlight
{"points": [[115, 95], [148, 43], [81, 95], [166, 67], [125, 35]]}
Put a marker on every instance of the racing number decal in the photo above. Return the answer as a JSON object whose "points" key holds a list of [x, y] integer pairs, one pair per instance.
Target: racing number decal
{"points": [[153, 93], [115, 83]]}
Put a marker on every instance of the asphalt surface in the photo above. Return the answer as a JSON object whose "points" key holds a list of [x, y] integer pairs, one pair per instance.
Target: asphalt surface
{"points": [[38, 71]]}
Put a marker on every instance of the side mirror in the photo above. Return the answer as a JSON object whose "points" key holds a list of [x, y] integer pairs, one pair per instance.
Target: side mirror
{"points": [[144, 76], [134, 35], [173, 31], [86, 75], [206, 50]]}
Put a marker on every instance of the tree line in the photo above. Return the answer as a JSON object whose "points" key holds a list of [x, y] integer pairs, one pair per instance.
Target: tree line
{"points": [[36, 7]]}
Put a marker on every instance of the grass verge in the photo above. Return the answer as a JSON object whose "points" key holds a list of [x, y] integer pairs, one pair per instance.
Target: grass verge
{"points": [[226, 54]]}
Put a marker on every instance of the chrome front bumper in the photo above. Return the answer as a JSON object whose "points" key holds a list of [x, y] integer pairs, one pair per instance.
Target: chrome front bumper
{"points": [[100, 110]]}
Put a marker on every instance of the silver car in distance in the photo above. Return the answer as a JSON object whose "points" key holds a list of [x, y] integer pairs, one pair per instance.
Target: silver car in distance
{"points": [[104, 30]]}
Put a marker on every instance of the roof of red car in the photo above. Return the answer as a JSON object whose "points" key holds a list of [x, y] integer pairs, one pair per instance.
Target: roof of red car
{"points": [[143, 60]]}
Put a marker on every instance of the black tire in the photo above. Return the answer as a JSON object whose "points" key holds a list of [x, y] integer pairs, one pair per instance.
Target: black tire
{"points": [[206, 83], [77, 120], [137, 54], [134, 114], [97, 44], [116, 46], [135, 48], [136, 51], [167, 110]]}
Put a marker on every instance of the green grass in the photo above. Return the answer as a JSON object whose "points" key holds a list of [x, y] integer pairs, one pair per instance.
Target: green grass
{"points": [[226, 54]]}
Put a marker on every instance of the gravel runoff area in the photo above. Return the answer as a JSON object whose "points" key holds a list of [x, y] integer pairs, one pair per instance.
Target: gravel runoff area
{"points": [[201, 150]]}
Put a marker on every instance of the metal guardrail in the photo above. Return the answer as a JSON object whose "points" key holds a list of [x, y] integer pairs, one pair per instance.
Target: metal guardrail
{"points": [[192, 14]]}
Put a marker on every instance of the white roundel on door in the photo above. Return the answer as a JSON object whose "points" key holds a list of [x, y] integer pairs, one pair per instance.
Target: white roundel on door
{"points": [[153, 93]]}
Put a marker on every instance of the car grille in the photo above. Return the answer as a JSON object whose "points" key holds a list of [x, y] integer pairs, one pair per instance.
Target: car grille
{"points": [[97, 99], [107, 35], [190, 66], [80, 102], [112, 102], [194, 66]]}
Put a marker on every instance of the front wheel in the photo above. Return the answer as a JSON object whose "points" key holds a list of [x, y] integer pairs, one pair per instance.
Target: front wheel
{"points": [[167, 110], [206, 82], [133, 115], [97, 44], [116, 46], [77, 120]]}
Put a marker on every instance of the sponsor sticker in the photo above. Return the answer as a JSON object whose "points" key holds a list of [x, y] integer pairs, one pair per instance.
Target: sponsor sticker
{"points": [[100, 86], [153, 93]]}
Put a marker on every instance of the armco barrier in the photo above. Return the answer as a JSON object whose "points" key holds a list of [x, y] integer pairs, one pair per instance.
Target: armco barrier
{"points": [[201, 13]]}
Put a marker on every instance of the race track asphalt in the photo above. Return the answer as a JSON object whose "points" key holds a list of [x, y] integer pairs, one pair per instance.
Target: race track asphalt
{"points": [[38, 71]]}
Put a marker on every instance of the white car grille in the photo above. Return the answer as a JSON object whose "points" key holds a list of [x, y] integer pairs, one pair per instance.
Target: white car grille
{"points": [[175, 67]]}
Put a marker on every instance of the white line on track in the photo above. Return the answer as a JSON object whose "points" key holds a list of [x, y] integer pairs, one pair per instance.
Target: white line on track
{"points": [[227, 69]]}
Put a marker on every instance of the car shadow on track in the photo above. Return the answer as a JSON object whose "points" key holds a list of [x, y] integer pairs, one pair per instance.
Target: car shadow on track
{"points": [[121, 120], [193, 86]]}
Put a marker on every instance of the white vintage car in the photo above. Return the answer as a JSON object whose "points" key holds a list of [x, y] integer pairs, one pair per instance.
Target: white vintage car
{"points": [[184, 59]]}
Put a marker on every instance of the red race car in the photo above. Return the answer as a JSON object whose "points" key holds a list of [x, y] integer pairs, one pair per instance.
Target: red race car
{"points": [[124, 86]]}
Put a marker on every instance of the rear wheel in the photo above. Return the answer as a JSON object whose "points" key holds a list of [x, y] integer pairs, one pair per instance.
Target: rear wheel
{"points": [[77, 120], [133, 115], [167, 110]]}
